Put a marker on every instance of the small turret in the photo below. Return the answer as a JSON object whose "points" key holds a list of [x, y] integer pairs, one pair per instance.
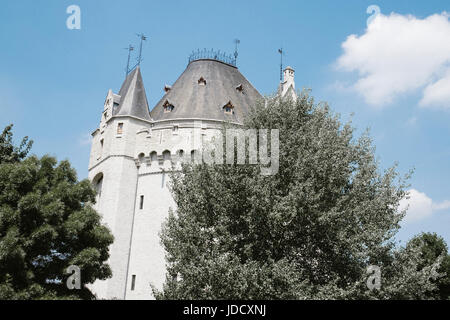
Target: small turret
{"points": [[287, 86], [133, 101], [111, 102]]}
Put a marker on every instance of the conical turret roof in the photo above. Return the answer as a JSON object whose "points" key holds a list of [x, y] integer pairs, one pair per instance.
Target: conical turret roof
{"points": [[133, 100], [208, 89]]}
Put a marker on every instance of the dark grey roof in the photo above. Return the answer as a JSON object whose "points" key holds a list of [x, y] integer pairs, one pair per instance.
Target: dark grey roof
{"points": [[133, 101], [193, 100]]}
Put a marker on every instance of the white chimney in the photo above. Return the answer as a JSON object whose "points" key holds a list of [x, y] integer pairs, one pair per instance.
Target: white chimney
{"points": [[288, 82], [289, 74]]}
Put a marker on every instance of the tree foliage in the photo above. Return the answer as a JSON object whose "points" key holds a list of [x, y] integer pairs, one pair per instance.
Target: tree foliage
{"points": [[308, 232], [432, 247], [9, 153], [46, 225]]}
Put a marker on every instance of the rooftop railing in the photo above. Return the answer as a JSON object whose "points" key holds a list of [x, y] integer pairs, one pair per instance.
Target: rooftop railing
{"points": [[213, 55]]}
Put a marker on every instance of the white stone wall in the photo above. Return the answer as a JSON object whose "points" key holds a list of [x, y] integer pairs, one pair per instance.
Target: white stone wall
{"points": [[129, 172], [147, 261], [116, 207], [116, 204]]}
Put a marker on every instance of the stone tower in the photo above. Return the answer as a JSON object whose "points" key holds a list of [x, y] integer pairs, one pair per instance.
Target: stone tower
{"points": [[133, 150]]}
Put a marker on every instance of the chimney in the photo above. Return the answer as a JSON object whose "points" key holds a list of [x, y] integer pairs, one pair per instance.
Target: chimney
{"points": [[289, 77], [288, 84]]}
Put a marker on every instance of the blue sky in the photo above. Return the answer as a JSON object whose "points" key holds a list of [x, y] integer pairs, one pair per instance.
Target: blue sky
{"points": [[53, 81]]}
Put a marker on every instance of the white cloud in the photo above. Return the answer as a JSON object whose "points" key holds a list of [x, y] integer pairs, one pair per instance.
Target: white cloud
{"points": [[419, 206], [438, 93], [442, 205], [400, 54]]}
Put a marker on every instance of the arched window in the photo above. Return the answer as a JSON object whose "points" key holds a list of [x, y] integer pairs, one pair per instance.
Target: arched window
{"points": [[141, 157], [98, 185], [153, 156], [194, 155], [166, 156], [180, 155]]}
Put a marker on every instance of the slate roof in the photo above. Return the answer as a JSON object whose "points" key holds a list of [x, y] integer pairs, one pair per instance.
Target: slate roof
{"points": [[192, 98], [133, 100]]}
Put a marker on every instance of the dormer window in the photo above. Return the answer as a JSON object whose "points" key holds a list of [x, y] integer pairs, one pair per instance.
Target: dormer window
{"points": [[228, 108], [202, 81], [168, 107], [240, 88]]}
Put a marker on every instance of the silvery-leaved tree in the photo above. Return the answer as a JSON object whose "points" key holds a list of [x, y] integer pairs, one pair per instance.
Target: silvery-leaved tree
{"points": [[46, 225], [310, 231]]}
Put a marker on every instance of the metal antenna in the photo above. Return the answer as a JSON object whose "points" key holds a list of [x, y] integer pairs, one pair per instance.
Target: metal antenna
{"points": [[281, 63], [143, 38], [130, 48], [236, 43]]}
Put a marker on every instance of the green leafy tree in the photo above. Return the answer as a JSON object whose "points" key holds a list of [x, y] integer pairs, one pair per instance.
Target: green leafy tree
{"points": [[46, 225], [308, 232], [433, 247], [9, 153]]}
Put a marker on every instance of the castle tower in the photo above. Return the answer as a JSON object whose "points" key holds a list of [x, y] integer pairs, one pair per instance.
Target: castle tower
{"points": [[133, 151], [113, 171]]}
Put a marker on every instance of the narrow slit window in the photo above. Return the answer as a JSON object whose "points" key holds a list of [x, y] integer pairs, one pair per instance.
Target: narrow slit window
{"points": [[101, 146], [193, 155], [98, 186], [120, 128], [133, 282], [141, 203]]}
